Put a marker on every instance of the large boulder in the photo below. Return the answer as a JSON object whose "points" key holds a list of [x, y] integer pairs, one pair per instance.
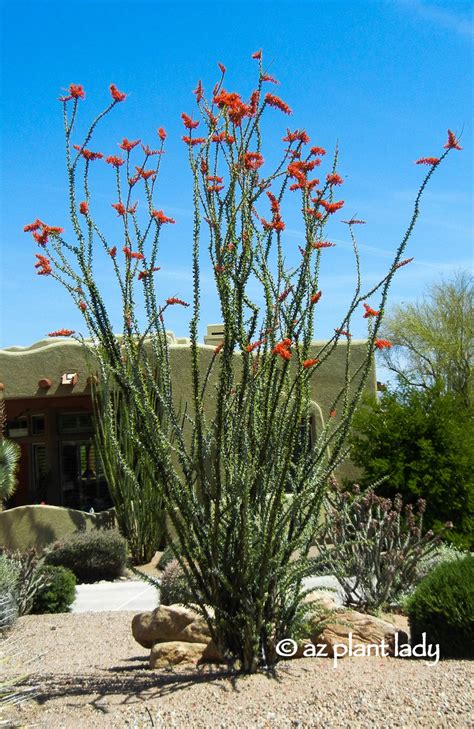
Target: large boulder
{"points": [[170, 623], [351, 628]]}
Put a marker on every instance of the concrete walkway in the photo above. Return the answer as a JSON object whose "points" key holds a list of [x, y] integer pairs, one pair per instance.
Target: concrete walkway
{"points": [[106, 596], [138, 596]]}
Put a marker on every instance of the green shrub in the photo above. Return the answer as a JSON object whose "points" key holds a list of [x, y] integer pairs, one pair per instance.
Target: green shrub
{"points": [[59, 594], [91, 555], [424, 442], [442, 606]]}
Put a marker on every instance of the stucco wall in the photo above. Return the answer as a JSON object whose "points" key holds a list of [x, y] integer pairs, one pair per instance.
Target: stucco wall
{"points": [[38, 526], [21, 368]]}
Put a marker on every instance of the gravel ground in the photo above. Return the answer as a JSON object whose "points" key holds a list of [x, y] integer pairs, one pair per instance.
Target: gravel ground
{"points": [[89, 672]]}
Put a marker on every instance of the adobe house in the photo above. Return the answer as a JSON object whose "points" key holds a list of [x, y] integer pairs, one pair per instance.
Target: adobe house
{"points": [[47, 392]]}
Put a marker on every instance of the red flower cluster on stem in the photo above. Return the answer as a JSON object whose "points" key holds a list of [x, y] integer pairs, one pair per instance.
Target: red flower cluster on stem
{"points": [[61, 333], [307, 363], [42, 237], [369, 312], [87, 154], [115, 161], [277, 103], [276, 223], [382, 344], [318, 245], [296, 136], [282, 349], [76, 91], [161, 217], [188, 122], [117, 95], [253, 160], [43, 264], [174, 300], [452, 142], [433, 161], [127, 145], [236, 109]]}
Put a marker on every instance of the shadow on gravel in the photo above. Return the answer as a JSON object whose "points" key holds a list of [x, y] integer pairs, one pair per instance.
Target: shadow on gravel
{"points": [[124, 684]]}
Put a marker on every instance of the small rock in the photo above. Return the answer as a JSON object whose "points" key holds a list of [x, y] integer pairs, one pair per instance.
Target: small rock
{"points": [[164, 655]]}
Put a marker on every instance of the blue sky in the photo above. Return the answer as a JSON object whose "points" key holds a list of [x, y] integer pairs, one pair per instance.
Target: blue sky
{"points": [[383, 79]]}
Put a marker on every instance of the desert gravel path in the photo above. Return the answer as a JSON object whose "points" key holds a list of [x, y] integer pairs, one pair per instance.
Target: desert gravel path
{"points": [[89, 672]]}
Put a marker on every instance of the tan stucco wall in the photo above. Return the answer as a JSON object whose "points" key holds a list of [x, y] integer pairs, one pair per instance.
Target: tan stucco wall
{"points": [[38, 526], [21, 368]]}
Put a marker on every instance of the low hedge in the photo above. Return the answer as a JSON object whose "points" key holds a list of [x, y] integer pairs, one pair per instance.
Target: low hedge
{"points": [[442, 606], [91, 556]]}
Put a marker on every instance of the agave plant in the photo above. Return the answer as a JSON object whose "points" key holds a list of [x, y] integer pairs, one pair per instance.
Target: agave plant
{"points": [[9, 456]]}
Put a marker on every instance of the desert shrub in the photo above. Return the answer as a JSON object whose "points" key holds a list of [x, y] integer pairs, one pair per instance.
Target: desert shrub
{"points": [[165, 558], [442, 606], [23, 576], [59, 593], [373, 546], [174, 588], [9, 572], [91, 555], [442, 554]]}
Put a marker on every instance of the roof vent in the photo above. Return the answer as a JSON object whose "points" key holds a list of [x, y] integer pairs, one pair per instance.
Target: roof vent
{"points": [[69, 378]]}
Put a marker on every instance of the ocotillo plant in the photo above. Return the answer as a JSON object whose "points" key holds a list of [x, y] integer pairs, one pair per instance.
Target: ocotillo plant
{"points": [[242, 487], [129, 472]]}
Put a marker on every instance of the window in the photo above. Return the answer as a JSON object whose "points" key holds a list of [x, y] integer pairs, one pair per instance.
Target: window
{"points": [[40, 473], [18, 428], [82, 481], [37, 424], [75, 422]]}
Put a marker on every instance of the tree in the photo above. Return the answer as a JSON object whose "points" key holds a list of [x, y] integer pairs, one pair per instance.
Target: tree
{"points": [[422, 443], [432, 339]]}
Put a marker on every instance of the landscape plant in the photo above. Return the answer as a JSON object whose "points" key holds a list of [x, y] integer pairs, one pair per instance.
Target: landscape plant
{"points": [[442, 606], [58, 594], [22, 577], [374, 546], [91, 555], [130, 475], [9, 457], [241, 485], [420, 443]]}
